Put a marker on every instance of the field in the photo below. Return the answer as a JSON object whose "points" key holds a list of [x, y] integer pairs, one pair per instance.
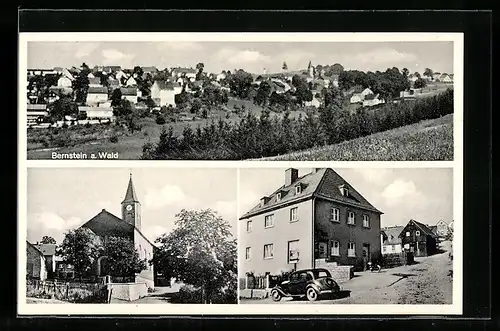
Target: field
{"points": [[128, 145], [427, 140]]}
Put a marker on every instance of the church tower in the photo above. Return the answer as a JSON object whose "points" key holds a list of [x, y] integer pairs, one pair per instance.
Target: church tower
{"points": [[310, 68], [131, 207]]}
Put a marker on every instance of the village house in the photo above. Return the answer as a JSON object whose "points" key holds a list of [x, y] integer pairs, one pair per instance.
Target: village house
{"points": [[64, 81], [331, 80], [130, 94], [443, 229], [184, 72], [131, 82], [444, 78], [317, 220], [36, 113], [128, 226], [418, 239], [35, 263], [391, 240], [435, 76], [149, 70], [220, 76], [99, 112], [96, 95], [413, 77], [360, 94], [111, 69], [371, 100], [95, 82], [49, 253], [163, 93]]}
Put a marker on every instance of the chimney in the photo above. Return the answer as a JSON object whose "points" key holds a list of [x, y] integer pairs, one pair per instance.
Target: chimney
{"points": [[315, 170], [291, 176]]}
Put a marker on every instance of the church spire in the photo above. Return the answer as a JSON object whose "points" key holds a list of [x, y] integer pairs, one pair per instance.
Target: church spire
{"points": [[130, 195]]}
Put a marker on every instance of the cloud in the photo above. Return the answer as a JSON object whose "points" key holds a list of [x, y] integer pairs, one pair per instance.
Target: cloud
{"points": [[375, 176], [297, 59], [402, 192], [382, 56], [180, 46], [155, 231], [85, 49], [167, 195], [235, 56], [54, 221], [226, 208], [113, 56]]}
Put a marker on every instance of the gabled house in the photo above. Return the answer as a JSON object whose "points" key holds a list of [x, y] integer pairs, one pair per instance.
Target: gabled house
{"points": [[36, 113], [130, 94], [184, 72], [131, 82], [417, 238], [49, 253], [64, 81], [442, 228], [163, 93], [358, 97], [371, 100], [95, 82], [445, 78], [391, 240], [315, 220], [96, 95], [35, 263]]}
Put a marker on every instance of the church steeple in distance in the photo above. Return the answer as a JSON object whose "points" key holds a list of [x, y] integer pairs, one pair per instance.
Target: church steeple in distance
{"points": [[131, 207]]}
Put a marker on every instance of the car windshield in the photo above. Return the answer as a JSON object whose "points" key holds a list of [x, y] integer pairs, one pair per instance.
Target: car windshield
{"points": [[321, 273]]}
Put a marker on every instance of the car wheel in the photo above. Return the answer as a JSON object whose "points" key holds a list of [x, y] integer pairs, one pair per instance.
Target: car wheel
{"points": [[311, 294], [276, 296]]}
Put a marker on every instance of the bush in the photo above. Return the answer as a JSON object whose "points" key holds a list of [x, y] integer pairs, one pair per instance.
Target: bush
{"points": [[160, 120], [88, 125], [64, 125], [113, 139], [187, 294]]}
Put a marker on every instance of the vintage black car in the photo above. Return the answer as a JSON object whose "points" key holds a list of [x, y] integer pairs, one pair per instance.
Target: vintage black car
{"points": [[309, 283]]}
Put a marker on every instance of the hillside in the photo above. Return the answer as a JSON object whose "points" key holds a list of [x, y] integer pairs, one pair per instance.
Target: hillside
{"points": [[430, 140]]}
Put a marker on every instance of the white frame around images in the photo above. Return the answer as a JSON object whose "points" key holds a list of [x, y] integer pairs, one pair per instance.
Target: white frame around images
{"points": [[257, 309]]}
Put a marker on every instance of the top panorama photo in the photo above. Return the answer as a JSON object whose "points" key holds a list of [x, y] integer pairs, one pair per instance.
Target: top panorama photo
{"points": [[227, 100]]}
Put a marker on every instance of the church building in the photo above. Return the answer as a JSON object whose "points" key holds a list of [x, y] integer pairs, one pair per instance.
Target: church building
{"points": [[105, 224]]}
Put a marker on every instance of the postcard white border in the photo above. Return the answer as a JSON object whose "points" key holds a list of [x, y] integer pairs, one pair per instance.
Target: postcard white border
{"points": [[244, 309]]}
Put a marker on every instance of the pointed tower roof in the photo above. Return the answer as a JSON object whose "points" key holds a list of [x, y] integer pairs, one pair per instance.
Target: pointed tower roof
{"points": [[130, 195], [310, 64]]}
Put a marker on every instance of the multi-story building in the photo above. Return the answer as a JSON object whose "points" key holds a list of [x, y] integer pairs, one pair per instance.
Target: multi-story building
{"points": [[308, 222]]}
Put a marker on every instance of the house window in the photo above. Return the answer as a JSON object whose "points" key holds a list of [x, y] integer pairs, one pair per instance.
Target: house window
{"points": [[294, 217], [278, 196], [335, 249], [293, 251], [393, 248], [248, 253], [268, 251], [351, 249], [366, 221], [417, 233], [249, 226], [335, 215], [269, 221], [298, 189], [350, 217], [384, 249], [407, 233]]}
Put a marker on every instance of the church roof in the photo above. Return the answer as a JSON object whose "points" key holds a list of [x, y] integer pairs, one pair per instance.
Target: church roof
{"points": [[130, 195]]}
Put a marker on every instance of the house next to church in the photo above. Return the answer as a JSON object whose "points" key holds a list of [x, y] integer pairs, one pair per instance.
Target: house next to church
{"points": [[317, 220], [105, 224]]}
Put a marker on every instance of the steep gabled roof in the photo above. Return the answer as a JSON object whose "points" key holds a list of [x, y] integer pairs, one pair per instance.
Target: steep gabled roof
{"points": [[322, 183], [95, 80], [371, 96], [130, 195], [129, 91], [392, 235], [47, 249], [422, 227], [28, 244], [97, 90]]}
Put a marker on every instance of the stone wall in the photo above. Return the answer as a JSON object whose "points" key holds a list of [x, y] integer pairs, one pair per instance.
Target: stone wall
{"points": [[340, 273], [128, 291]]}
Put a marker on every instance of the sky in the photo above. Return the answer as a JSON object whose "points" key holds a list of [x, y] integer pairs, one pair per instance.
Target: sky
{"points": [[252, 56], [422, 194], [60, 199]]}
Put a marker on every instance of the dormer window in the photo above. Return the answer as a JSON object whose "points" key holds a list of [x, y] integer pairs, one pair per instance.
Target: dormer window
{"points": [[278, 196], [344, 190], [263, 201], [298, 189]]}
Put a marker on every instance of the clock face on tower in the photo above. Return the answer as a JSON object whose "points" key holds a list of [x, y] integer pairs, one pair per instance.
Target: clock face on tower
{"points": [[129, 207]]}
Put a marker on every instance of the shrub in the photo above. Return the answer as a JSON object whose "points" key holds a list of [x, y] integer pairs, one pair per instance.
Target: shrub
{"points": [[160, 120], [187, 294], [64, 125], [88, 125], [113, 139]]}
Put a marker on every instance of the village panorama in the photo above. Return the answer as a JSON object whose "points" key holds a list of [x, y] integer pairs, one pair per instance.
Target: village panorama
{"points": [[320, 112]]}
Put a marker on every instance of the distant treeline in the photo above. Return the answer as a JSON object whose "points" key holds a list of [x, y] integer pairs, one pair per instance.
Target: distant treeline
{"points": [[264, 136]]}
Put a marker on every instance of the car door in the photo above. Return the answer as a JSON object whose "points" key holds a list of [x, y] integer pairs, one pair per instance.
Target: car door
{"points": [[295, 283]]}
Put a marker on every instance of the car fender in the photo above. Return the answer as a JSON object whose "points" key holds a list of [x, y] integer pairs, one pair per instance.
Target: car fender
{"points": [[314, 286], [280, 290]]}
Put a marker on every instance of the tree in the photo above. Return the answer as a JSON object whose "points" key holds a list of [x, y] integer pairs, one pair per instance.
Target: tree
{"points": [[138, 72], [122, 258], [199, 67], [284, 66], [81, 84], [263, 93], [406, 72], [81, 248], [116, 97], [335, 69], [65, 106], [240, 83], [199, 251], [428, 72], [420, 83], [48, 240]]}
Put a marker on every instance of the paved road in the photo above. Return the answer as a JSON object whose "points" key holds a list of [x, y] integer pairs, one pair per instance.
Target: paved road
{"points": [[426, 282], [161, 295]]}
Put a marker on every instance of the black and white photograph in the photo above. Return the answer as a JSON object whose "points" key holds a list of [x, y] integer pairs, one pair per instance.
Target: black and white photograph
{"points": [[380, 236], [136, 236], [254, 97]]}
